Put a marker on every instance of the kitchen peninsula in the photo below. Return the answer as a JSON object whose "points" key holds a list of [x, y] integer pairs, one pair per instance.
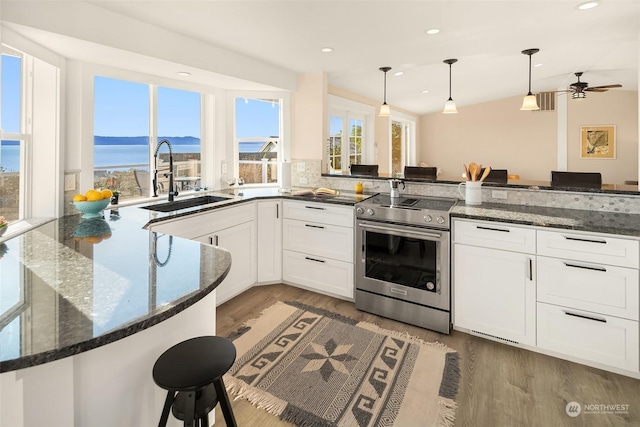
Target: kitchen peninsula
{"points": [[91, 304]]}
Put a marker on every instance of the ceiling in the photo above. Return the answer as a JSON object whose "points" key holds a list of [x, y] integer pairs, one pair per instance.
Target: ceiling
{"points": [[486, 37]]}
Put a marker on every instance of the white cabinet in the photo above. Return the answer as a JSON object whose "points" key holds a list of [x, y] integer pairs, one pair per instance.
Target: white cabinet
{"points": [[588, 297], [571, 294], [318, 247], [494, 289], [269, 241], [232, 228], [595, 337]]}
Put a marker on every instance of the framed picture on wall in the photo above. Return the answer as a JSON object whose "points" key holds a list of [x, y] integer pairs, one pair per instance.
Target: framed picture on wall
{"points": [[598, 142]]}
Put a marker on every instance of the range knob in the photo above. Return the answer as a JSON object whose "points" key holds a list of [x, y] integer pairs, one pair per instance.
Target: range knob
{"points": [[440, 220], [370, 212], [427, 218], [359, 211], [431, 286]]}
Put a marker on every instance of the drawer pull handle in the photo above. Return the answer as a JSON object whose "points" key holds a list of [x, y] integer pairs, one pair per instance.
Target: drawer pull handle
{"points": [[582, 316], [316, 208], [216, 239], [315, 226], [586, 267], [493, 229], [314, 259], [530, 269], [210, 240], [398, 291], [577, 239]]}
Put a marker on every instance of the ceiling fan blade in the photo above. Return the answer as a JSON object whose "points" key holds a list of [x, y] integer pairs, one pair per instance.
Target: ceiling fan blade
{"points": [[595, 89], [560, 91], [603, 87]]}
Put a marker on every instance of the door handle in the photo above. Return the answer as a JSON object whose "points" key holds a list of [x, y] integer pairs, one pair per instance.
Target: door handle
{"points": [[577, 239], [315, 226], [314, 259], [586, 267], [582, 316]]}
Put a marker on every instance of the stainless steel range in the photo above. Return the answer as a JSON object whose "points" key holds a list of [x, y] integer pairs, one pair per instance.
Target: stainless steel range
{"points": [[403, 259]]}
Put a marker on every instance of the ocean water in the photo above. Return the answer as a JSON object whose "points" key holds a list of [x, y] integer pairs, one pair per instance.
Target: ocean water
{"points": [[113, 155]]}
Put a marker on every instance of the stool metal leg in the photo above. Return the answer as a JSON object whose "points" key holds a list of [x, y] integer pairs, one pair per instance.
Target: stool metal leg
{"points": [[190, 409], [167, 407], [223, 400]]}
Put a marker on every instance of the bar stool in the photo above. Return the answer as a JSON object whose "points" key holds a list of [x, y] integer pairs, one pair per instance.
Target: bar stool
{"points": [[193, 369]]}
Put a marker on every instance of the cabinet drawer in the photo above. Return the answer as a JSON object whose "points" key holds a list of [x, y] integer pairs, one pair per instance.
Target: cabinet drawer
{"points": [[197, 225], [323, 213], [587, 286], [318, 239], [598, 338], [589, 247], [495, 235], [324, 274]]}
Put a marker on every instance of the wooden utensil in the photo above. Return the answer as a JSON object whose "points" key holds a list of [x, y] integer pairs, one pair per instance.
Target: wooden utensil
{"points": [[473, 171], [486, 173], [466, 171]]}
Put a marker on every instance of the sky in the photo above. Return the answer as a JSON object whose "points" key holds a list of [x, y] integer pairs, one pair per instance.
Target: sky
{"points": [[122, 108], [10, 106]]}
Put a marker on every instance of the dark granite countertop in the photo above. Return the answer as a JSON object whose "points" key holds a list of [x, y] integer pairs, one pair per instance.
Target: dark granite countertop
{"points": [[73, 284], [569, 219]]}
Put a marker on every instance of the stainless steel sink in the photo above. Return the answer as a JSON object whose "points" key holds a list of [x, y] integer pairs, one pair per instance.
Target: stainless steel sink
{"points": [[184, 204]]}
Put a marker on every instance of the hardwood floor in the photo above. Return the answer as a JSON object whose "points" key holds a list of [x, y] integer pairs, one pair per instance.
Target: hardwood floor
{"points": [[500, 385]]}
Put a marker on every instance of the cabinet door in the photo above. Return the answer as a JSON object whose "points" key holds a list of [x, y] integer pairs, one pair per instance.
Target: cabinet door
{"points": [[240, 240], [324, 275], [494, 293], [269, 241]]}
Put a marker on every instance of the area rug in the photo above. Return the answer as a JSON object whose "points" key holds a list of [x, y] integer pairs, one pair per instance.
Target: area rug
{"points": [[313, 367]]}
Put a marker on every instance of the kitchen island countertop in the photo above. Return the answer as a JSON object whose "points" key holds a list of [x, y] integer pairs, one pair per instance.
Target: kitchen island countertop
{"points": [[72, 284]]}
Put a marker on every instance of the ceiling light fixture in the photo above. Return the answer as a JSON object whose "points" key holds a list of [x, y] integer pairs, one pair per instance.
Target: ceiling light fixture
{"points": [[587, 5], [385, 111], [327, 49], [432, 31], [450, 106], [183, 73], [424, 91], [529, 102], [398, 73]]}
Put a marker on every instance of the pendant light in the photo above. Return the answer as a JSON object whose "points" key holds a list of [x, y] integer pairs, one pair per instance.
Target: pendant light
{"points": [[385, 111], [450, 106], [529, 102]]}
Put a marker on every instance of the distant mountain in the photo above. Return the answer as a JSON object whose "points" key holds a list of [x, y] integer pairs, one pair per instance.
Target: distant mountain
{"points": [[143, 140]]}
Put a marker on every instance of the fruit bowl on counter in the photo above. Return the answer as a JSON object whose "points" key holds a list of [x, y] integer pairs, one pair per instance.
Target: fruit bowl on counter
{"points": [[92, 209], [92, 203]]}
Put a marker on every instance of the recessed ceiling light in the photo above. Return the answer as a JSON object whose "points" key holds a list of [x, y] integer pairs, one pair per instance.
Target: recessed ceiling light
{"points": [[432, 31], [327, 49], [539, 65], [183, 73], [587, 5], [398, 73], [424, 91]]}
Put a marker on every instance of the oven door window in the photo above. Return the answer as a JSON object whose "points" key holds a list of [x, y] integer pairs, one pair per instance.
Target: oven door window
{"points": [[406, 261]]}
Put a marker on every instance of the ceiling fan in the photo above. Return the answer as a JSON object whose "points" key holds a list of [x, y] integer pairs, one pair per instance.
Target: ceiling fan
{"points": [[579, 88]]}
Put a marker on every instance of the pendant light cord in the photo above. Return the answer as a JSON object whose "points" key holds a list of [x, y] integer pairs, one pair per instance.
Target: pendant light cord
{"points": [[385, 87], [529, 74], [450, 99]]}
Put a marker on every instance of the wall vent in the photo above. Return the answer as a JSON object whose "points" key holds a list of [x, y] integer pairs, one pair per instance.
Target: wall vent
{"points": [[493, 336], [546, 101]]}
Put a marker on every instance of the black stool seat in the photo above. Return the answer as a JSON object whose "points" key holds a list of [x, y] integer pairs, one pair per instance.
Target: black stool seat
{"points": [[194, 369]]}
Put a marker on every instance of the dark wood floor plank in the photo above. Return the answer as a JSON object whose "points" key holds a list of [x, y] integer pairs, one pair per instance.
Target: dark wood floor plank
{"points": [[501, 385]]}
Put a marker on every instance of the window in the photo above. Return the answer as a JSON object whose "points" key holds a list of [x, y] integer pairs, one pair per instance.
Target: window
{"points": [[13, 138], [123, 154], [350, 135], [257, 136], [402, 145]]}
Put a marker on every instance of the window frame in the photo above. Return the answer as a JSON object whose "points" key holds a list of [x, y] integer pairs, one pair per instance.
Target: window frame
{"points": [[228, 175], [409, 141], [349, 110]]}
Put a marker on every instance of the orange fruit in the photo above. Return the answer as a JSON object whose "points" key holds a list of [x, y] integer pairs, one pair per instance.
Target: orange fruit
{"points": [[79, 198], [106, 194], [93, 195]]}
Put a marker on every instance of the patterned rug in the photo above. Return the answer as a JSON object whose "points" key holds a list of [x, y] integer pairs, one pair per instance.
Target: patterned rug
{"points": [[313, 367]]}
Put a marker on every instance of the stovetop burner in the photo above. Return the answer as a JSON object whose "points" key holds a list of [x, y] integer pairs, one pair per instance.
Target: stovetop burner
{"points": [[413, 210]]}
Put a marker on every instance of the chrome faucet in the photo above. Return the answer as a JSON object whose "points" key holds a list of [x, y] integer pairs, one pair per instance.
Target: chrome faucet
{"points": [[172, 192]]}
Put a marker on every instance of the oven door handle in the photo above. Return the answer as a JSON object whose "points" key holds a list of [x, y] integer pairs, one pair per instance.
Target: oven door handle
{"points": [[421, 234]]}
